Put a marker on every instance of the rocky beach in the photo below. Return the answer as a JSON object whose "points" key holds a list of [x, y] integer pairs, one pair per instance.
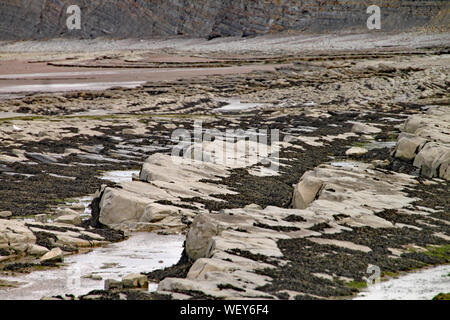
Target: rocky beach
{"points": [[193, 167]]}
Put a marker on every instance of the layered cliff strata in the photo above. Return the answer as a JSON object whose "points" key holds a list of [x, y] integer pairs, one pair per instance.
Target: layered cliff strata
{"points": [[425, 141], [208, 18]]}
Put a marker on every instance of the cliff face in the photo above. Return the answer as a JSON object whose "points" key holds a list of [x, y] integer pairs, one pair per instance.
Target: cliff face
{"points": [[36, 19]]}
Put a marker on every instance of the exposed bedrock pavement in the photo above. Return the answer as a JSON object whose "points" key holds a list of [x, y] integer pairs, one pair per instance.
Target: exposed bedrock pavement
{"points": [[362, 177], [343, 219]]}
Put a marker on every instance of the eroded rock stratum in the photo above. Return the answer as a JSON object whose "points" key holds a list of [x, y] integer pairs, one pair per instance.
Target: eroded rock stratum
{"points": [[209, 18]]}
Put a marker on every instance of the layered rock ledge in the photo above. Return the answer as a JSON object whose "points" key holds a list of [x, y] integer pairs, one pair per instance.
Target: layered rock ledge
{"points": [[425, 141], [350, 217], [231, 247], [27, 241]]}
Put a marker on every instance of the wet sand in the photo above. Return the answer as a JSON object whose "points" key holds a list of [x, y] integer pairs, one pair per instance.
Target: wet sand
{"points": [[61, 65], [23, 77]]}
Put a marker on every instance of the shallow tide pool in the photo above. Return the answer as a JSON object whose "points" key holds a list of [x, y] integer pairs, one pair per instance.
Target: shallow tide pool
{"points": [[421, 285], [142, 252]]}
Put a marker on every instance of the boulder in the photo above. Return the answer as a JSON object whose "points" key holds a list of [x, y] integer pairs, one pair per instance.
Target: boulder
{"points": [[444, 172], [157, 168], [255, 244], [163, 167], [91, 276], [170, 126], [426, 140], [356, 151], [342, 189], [362, 128], [73, 219], [367, 137], [431, 158], [66, 212], [155, 212], [169, 225], [253, 206], [111, 284], [75, 242], [380, 163], [306, 190], [129, 132], [413, 123], [118, 206], [41, 218], [441, 165], [203, 266], [177, 284], [78, 207], [198, 239], [36, 250], [135, 281], [55, 255], [15, 235], [5, 214], [408, 147]]}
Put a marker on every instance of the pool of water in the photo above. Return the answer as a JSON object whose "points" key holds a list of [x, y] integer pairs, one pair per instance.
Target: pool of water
{"points": [[421, 285], [82, 273]]}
